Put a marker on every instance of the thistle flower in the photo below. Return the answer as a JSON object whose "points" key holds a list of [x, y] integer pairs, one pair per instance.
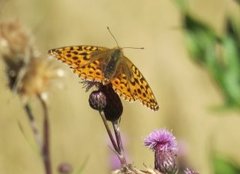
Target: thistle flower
{"points": [[164, 145], [97, 100], [105, 99], [109, 105]]}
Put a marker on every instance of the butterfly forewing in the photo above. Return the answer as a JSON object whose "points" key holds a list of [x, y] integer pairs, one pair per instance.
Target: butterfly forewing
{"points": [[80, 59]]}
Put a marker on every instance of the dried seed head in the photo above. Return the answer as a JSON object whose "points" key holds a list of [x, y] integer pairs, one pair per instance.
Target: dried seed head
{"points": [[16, 49], [37, 76], [15, 41]]}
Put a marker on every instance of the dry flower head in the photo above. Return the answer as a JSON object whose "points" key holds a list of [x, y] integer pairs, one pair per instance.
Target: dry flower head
{"points": [[39, 74], [28, 73]]}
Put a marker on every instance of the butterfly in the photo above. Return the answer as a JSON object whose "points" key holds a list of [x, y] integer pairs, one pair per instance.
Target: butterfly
{"points": [[104, 65]]}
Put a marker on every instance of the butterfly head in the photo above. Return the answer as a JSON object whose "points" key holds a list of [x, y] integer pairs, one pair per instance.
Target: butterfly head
{"points": [[117, 53]]}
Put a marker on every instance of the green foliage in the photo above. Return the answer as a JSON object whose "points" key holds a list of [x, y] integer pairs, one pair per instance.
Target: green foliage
{"points": [[200, 40], [238, 1], [219, 55], [223, 166]]}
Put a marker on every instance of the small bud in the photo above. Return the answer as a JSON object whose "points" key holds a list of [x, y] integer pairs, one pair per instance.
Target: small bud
{"points": [[97, 100], [65, 168]]}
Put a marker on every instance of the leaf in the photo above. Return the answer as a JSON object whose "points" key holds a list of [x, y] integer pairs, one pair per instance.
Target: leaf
{"points": [[223, 166]]}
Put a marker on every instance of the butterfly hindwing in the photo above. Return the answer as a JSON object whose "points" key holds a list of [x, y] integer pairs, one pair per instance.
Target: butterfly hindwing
{"points": [[139, 88], [121, 86]]}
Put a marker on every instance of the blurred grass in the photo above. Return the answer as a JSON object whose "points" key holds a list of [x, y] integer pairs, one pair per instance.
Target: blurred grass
{"points": [[184, 91]]}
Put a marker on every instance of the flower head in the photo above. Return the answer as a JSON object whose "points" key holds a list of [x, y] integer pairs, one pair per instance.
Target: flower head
{"points": [[97, 100], [162, 140], [16, 48], [15, 40], [37, 77], [164, 145], [28, 73], [104, 99]]}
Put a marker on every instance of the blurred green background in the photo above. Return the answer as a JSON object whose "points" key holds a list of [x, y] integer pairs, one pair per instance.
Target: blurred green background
{"points": [[187, 95]]}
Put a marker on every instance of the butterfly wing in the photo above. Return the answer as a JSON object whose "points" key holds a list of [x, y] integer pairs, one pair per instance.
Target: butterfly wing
{"points": [[130, 83], [121, 86], [81, 59]]}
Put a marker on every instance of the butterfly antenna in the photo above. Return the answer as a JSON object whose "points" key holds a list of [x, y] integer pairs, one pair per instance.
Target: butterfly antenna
{"points": [[112, 36], [117, 42], [141, 48]]}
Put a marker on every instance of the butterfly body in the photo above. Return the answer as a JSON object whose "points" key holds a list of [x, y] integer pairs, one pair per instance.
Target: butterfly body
{"points": [[104, 65], [111, 66]]}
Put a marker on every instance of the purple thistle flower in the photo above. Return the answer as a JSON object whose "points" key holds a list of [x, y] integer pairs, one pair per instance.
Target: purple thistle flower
{"points": [[164, 145], [162, 140]]}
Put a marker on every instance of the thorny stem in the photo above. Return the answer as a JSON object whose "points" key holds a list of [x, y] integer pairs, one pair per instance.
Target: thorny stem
{"points": [[116, 129], [117, 135], [117, 147], [46, 137], [33, 125], [109, 132]]}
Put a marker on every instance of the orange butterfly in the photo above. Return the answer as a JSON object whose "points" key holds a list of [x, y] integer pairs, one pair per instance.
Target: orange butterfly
{"points": [[106, 65]]}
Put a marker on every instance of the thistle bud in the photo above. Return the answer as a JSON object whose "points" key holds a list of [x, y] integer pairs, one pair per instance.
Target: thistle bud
{"points": [[65, 168], [114, 107], [97, 100]]}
